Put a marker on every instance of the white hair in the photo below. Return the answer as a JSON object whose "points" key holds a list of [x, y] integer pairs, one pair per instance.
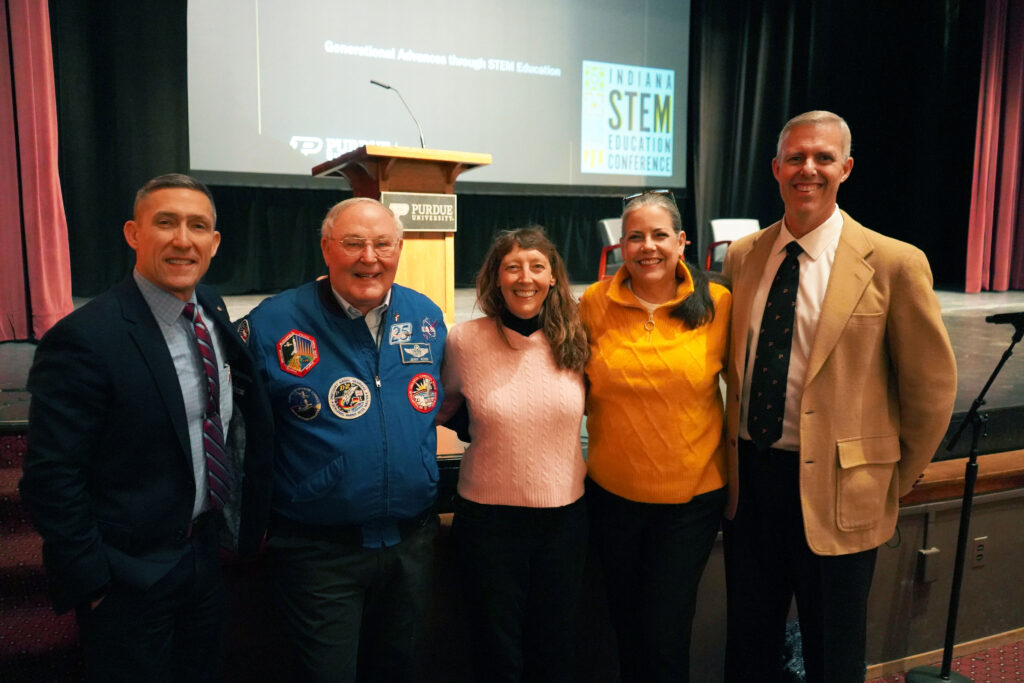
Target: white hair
{"points": [[340, 207]]}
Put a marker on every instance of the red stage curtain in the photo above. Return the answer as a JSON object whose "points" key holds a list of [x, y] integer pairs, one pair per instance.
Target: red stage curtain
{"points": [[995, 241], [35, 269]]}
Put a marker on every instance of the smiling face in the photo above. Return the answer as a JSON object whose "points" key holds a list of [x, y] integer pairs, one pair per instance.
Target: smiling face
{"points": [[651, 249], [174, 239], [524, 278], [810, 166], [362, 279]]}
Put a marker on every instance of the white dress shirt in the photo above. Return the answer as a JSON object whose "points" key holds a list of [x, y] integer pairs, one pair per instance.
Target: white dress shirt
{"points": [[374, 317], [819, 247]]}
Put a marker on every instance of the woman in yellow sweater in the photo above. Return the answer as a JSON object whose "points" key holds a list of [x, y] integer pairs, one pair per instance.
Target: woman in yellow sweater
{"points": [[656, 458]]}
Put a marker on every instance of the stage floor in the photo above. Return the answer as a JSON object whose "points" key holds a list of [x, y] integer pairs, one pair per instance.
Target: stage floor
{"points": [[978, 345]]}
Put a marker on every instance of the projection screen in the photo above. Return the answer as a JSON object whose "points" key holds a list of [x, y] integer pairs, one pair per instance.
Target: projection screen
{"points": [[569, 94]]}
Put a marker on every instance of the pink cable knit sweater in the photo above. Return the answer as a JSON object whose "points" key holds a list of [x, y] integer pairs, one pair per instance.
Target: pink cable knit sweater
{"points": [[524, 417]]}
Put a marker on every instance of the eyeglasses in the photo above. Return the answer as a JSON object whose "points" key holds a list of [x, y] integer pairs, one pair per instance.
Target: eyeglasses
{"points": [[382, 246], [630, 197]]}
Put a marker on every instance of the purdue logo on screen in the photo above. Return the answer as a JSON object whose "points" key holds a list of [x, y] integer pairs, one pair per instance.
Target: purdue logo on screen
{"points": [[626, 119]]}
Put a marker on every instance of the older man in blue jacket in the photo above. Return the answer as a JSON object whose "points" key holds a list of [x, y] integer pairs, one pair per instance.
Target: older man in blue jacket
{"points": [[352, 364]]}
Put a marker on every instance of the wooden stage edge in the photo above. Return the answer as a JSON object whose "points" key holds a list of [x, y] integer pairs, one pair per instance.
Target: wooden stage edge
{"points": [[897, 666], [944, 479]]}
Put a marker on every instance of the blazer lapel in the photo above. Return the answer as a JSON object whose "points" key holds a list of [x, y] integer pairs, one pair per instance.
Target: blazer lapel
{"points": [[850, 276], [749, 277], [145, 332]]}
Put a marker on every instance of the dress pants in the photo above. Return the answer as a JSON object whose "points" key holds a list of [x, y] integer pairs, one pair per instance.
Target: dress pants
{"points": [[170, 631], [768, 563], [522, 572], [653, 556], [354, 613]]}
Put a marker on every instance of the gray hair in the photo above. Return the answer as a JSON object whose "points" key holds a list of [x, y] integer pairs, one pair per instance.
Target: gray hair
{"points": [[342, 206], [818, 117], [661, 201]]}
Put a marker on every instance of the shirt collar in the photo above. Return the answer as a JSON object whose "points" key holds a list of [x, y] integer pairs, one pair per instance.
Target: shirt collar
{"points": [[621, 292], [817, 240], [165, 306], [353, 312]]}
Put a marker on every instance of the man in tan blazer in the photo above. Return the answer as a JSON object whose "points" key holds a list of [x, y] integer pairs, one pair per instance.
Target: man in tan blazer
{"points": [[864, 404]]}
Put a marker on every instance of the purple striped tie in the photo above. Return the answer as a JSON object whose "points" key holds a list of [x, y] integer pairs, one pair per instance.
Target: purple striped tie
{"points": [[213, 431]]}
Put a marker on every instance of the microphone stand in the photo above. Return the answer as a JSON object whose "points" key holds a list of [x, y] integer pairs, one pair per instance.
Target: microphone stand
{"points": [[925, 674]]}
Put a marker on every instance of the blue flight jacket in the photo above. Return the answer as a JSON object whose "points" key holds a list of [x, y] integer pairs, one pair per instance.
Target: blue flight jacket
{"points": [[355, 436]]}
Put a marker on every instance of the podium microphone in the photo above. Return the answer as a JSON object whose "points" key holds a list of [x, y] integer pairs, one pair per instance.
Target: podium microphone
{"points": [[1015, 319], [390, 87]]}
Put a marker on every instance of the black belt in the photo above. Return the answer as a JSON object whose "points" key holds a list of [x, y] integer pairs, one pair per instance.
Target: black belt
{"points": [[348, 534], [196, 525], [751, 447]]}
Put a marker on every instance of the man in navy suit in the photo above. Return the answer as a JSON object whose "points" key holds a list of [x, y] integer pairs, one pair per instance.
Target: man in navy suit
{"points": [[116, 475]]}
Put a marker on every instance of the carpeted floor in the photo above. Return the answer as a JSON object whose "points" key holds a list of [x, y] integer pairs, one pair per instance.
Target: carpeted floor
{"points": [[995, 665], [35, 644]]}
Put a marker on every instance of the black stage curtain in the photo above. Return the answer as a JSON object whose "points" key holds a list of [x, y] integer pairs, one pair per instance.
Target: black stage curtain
{"points": [[122, 115], [570, 221], [271, 237], [905, 75]]}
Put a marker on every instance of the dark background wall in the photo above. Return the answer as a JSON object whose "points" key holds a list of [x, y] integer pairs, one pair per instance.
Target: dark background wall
{"points": [[904, 75]]}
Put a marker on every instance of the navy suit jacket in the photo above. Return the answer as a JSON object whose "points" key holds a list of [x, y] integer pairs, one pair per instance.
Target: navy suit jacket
{"points": [[108, 474]]}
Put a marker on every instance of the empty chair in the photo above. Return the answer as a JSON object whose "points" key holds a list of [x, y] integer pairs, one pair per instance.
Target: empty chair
{"points": [[723, 232], [609, 230]]}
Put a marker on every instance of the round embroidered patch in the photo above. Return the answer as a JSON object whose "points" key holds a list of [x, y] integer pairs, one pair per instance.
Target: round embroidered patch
{"points": [[304, 403], [423, 392], [428, 328], [349, 398]]}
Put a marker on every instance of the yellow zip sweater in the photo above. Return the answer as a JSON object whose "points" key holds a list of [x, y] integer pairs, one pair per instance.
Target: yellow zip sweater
{"points": [[654, 407]]}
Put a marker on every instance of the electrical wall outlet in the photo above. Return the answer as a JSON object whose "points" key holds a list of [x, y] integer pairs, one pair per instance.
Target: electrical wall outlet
{"points": [[927, 564], [979, 553]]}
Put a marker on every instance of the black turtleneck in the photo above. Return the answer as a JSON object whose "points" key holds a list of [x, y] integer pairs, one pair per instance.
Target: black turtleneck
{"points": [[524, 327]]}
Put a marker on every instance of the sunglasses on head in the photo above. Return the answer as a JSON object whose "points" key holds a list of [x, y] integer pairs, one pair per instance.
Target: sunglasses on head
{"points": [[630, 197]]}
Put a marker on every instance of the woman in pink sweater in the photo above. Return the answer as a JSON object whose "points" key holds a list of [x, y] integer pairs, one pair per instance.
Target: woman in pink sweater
{"points": [[520, 527]]}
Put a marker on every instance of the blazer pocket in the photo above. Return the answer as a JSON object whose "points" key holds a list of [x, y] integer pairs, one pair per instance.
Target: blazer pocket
{"points": [[867, 318], [116, 534], [867, 468]]}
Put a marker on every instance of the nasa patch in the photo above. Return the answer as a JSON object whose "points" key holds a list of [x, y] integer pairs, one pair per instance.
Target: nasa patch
{"points": [[296, 353], [350, 398], [416, 353], [304, 403], [243, 330], [423, 392], [428, 329], [400, 332]]}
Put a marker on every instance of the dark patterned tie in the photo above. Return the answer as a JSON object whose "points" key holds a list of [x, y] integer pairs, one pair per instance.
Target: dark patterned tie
{"points": [[767, 403], [213, 431]]}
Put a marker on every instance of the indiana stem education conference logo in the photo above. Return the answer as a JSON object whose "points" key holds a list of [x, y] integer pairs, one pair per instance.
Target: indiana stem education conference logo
{"points": [[626, 119]]}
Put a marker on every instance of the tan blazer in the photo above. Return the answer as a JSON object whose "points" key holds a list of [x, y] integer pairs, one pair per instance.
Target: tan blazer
{"points": [[879, 390]]}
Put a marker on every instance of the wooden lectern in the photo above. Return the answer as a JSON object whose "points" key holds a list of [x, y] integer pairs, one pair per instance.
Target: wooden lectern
{"points": [[428, 258]]}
